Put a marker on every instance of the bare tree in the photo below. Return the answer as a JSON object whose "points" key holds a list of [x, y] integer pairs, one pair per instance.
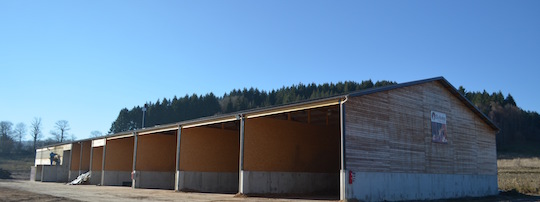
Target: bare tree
{"points": [[96, 133], [19, 133], [6, 141], [5, 128], [73, 138], [35, 130], [62, 127]]}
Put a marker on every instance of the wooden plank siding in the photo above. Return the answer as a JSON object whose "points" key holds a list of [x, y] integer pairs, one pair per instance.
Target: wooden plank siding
{"points": [[390, 131]]}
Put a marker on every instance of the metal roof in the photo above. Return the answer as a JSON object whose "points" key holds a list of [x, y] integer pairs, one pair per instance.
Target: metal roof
{"points": [[292, 107]]}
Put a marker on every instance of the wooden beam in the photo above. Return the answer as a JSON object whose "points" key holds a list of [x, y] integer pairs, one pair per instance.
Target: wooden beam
{"points": [[326, 118], [309, 116]]}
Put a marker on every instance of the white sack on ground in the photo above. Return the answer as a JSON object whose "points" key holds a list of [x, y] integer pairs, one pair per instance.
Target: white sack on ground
{"points": [[80, 179]]}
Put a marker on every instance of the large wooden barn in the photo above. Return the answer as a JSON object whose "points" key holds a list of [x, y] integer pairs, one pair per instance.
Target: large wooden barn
{"points": [[416, 140]]}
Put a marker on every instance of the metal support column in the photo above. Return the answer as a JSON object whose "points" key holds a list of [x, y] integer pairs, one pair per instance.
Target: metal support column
{"points": [[103, 162], [91, 157], [177, 178], [80, 158], [241, 160], [134, 172], [343, 169], [69, 164]]}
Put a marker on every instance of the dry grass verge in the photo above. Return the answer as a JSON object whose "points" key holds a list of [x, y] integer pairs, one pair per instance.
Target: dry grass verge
{"points": [[519, 174], [18, 166]]}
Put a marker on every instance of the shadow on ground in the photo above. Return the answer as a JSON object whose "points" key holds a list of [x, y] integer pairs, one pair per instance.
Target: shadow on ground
{"points": [[512, 195]]}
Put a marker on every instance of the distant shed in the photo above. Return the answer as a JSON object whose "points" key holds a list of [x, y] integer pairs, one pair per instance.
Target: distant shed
{"points": [[411, 141]]}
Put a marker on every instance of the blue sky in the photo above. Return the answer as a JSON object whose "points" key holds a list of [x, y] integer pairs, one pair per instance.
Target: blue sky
{"points": [[83, 61]]}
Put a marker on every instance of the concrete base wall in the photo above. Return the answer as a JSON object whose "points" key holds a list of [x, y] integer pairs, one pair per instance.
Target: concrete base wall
{"points": [[49, 174], [154, 180], [62, 173], [116, 178], [54, 173], [72, 174], [39, 168], [216, 182], [33, 173], [95, 178], [258, 182], [371, 186]]}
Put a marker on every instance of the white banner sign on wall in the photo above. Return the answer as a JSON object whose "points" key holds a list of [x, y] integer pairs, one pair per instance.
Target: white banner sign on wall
{"points": [[438, 127]]}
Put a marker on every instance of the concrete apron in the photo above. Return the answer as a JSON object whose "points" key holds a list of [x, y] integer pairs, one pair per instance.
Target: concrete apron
{"points": [[116, 178], [258, 182], [215, 182], [371, 186], [154, 180]]}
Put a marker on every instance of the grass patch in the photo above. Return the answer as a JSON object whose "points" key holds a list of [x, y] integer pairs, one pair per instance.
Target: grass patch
{"points": [[4, 174], [17, 165], [519, 174]]}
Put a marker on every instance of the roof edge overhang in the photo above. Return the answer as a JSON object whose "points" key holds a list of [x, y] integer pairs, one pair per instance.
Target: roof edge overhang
{"points": [[468, 103], [62, 144], [297, 106], [252, 113], [445, 83]]}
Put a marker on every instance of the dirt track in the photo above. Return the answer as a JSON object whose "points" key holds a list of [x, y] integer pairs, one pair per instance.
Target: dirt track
{"points": [[19, 190], [38, 191]]}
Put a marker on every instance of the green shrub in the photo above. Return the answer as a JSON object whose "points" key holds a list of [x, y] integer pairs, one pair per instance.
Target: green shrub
{"points": [[5, 174]]}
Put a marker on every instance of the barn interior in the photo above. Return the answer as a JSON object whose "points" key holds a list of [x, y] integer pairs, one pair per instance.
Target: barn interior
{"points": [[209, 158], [293, 153], [97, 161], [55, 169], [155, 160], [118, 161], [80, 158]]}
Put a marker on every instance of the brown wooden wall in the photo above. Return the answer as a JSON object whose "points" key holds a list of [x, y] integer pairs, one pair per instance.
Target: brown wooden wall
{"points": [[289, 146], [390, 131], [119, 154], [85, 164], [75, 156], [156, 152], [97, 158], [209, 150]]}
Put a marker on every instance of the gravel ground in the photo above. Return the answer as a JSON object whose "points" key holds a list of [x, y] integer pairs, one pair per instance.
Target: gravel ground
{"points": [[38, 191], [19, 190]]}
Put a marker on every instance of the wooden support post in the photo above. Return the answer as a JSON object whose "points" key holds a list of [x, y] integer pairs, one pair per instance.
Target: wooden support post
{"points": [[327, 119], [289, 116]]}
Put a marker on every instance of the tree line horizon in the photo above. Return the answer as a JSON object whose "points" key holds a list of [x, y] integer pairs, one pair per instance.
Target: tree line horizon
{"points": [[517, 125]]}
